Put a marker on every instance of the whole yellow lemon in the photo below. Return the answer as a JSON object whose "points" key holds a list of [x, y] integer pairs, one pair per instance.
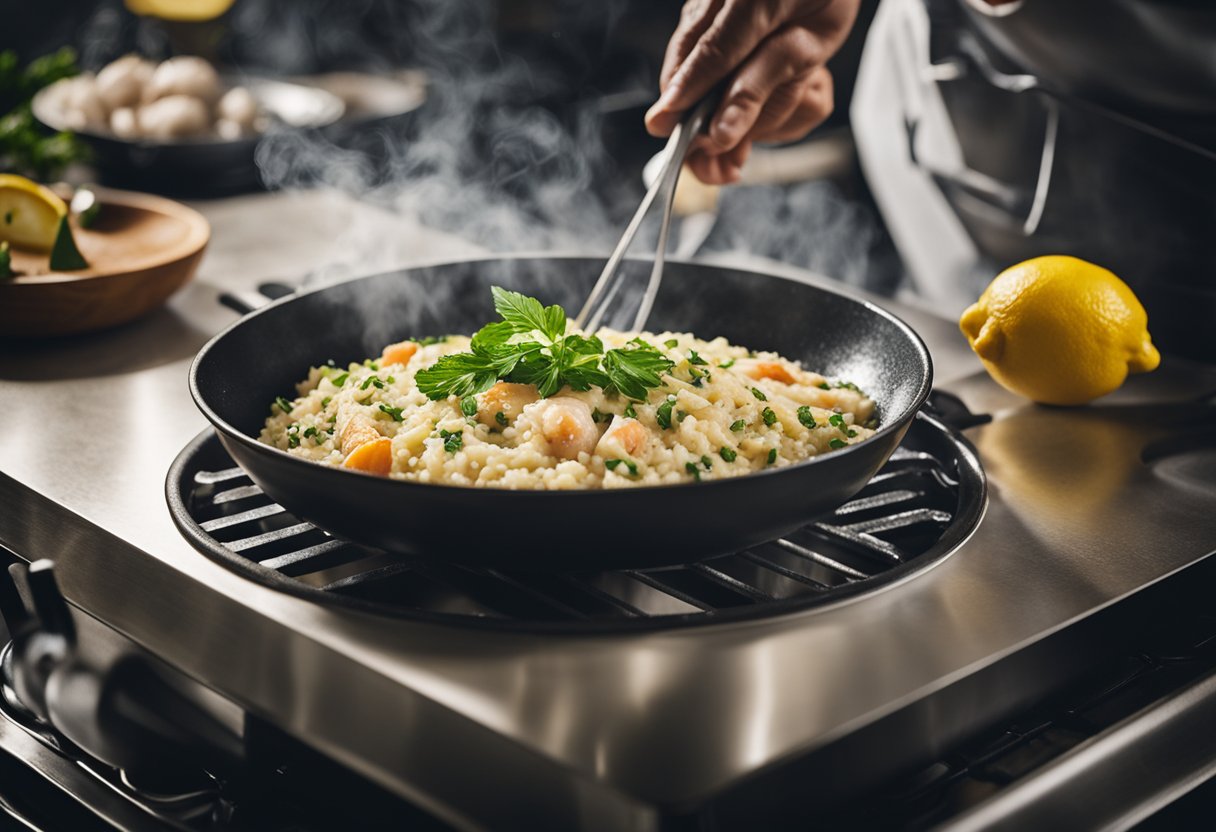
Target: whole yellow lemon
{"points": [[1059, 330]]}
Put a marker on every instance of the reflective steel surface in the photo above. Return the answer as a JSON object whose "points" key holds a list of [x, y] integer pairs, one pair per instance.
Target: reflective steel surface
{"points": [[1086, 506]]}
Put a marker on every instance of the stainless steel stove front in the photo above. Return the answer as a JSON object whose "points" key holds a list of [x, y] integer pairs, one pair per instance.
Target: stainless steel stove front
{"points": [[1087, 507]]}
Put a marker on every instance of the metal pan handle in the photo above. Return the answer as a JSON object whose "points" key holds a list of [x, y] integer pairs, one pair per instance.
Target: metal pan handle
{"points": [[245, 301]]}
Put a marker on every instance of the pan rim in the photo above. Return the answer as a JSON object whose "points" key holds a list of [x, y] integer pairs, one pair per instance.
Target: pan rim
{"points": [[897, 423]]}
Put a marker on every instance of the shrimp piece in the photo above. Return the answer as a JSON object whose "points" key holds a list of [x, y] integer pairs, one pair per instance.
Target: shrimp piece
{"points": [[566, 425], [373, 457], [505, 398], [355, 428], [624, 438], [399, 353], [774, 370]]}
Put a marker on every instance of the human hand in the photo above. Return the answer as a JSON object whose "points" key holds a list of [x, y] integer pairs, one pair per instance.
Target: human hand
{"points": [[773, 53]]}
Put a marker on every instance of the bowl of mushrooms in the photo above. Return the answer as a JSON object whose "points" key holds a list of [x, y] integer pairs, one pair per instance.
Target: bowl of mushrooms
{"points": [[179, 127]]}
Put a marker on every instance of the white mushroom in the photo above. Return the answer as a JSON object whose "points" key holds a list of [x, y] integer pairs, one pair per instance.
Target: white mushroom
{"points": [[79, 104], [121, 83], [173, 117], [183, 75], [124, 124], [239, 106]]}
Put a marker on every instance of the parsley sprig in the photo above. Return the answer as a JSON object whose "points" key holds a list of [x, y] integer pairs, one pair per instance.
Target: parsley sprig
{"points": [[530, 346]]}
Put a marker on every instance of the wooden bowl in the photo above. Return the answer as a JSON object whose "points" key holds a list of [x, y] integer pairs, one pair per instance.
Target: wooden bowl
{"points": [[140, 251]]}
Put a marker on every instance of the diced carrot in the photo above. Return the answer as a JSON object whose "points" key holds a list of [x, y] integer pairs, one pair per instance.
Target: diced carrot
{"points": [[400, 353], [375, 457]]}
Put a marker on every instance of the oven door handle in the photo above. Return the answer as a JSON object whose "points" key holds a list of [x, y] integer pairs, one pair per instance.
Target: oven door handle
{"points": [[1113, 781]]}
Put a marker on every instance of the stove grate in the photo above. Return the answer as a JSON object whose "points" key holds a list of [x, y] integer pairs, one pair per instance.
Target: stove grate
{"points": [[915, 511]]}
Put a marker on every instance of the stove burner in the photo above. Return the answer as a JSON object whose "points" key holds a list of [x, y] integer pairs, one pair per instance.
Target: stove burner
{"points": [[917, 510]]}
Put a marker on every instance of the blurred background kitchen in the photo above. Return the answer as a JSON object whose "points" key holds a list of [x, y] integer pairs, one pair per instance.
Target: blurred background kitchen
{"points": [[972, 136], [512, 126]]}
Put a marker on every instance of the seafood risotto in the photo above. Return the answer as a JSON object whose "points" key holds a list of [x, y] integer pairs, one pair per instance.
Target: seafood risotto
{"points": [[528, 403]]}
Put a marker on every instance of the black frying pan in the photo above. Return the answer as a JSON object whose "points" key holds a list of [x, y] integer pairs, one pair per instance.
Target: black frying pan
{"points": [[238, 374]]}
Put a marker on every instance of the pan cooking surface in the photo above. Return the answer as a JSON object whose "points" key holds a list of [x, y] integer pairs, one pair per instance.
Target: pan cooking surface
{"points": [[244, 368]]}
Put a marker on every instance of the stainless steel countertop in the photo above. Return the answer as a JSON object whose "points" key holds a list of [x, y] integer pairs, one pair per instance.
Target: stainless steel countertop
{"points": [[1077, 519]]}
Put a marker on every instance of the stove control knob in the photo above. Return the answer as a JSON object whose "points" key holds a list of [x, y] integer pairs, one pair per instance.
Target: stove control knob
{"points": [[43, 640]]}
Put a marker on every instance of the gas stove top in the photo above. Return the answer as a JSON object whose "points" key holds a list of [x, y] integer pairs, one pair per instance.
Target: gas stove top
{"points": [[616, 727]]}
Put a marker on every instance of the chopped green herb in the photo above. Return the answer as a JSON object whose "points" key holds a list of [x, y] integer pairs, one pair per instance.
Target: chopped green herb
{"points": [[707, 462], [325, 402], [611, 465], [530, 346], [599, 417], [850, 433], [453, 441], [468, 406], [695, 376], [630, 413], [370, 381], [759, 394], [823, 385], [395, 412], [371, 364], [283, 404], [772, 455], [340, 380], [681, 415], [65, 256], [871, 423], [770, 418], [737, 425], [693, 358], [6, 261], [311, 431], [663, 414], [691, 467], [293, 436], [836, 443], [730, 362], [727, 454], [391, 379], [671, 343], [837, 421], [848, 385], [501, 418], [805, 418]]}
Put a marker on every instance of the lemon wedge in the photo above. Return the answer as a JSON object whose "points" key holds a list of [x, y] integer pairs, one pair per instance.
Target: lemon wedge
{"points": [[180, 9], [29, 213], [1059, 330]]}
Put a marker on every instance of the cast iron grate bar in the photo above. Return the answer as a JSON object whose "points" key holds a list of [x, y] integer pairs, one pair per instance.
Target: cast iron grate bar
{"points": [[896, 517]]}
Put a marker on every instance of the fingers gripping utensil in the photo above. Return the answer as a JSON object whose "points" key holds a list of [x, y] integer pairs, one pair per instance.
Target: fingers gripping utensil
{"points": [[591, 316]]}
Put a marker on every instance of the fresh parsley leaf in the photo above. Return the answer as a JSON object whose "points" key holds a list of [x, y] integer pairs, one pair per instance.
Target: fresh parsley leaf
{"points": [[630, 413], [737, 425], [823, 385], [837, 421], [468, 406], [836, 443], [727, 454], [394, 412], [681, 415], [453, 441], [283, 404], [501, 418], [465, 373], [635, 370], [325, 402], [730, 362], [770, 418], [310, 431], [805, 417], [526, 314], [850, 433], [707, 462], [671, 343], [340, 380], [691, 467], [693, 358], [759, 394], [772, 455], [370, 381], [663, 414], [293, 436]]}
